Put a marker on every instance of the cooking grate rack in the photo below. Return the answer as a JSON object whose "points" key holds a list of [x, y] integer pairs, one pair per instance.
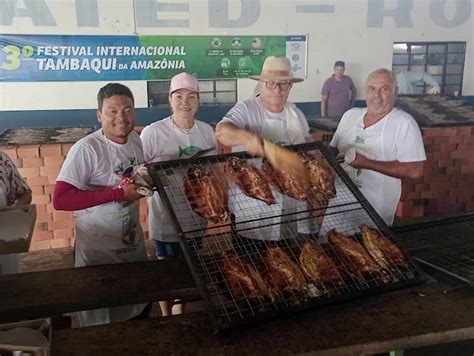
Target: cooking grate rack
{"points": [[254, 228], [39, 136], [444, 247]]}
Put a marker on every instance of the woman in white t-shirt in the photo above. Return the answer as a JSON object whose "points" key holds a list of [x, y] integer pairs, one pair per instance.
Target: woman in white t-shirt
{"points": [[178, 136]]}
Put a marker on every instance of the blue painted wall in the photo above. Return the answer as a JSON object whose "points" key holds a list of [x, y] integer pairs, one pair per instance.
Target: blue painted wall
{"points": [[87, 117]]}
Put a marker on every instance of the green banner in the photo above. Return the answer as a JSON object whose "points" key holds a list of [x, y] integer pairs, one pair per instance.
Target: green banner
{"points": [[87, 58]]}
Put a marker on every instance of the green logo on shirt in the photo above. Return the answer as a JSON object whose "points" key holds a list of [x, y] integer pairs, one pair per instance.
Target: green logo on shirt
{"points": [[188, 151], [360, 140]]}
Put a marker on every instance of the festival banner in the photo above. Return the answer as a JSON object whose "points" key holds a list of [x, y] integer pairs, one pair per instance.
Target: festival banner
{"points": [[36, 58]]}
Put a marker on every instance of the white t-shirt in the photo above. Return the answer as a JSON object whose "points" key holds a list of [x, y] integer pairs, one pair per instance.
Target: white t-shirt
{"points": [[95, 161], [252, 116], [164, 141], [395, 137]]}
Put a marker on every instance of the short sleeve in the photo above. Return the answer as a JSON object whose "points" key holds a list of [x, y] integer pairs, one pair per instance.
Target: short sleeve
{"points": [[409, 144], [238, 115], [77, 167], [325, 89]]}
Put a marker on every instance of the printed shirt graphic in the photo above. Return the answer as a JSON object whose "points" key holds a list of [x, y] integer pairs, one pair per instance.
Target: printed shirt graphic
{"points": [[185, 152]]}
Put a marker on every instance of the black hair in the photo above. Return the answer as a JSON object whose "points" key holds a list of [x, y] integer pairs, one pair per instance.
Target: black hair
{"points": [[340, 64], [112, 89]]}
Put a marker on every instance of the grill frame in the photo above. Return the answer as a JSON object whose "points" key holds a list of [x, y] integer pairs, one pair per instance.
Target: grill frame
{"points": [[157, 170], [431, 242]]}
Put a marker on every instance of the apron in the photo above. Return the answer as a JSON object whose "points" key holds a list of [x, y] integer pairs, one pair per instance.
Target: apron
{"points": [[277, 221], [181, 143], [9, 263], [379, 189], [105, 234]]}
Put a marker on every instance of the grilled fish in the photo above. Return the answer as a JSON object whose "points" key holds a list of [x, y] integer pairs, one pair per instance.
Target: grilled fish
{"points": [[384, 251], [321, 177], [244, 282], [250, 180], [283, 182], [206, 195], [318, 203], [318, 266], [283, 274], [355, 257]]}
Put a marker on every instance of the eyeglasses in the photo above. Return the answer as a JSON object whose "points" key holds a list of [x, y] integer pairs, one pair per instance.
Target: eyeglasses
{"points": [[272, 85]]}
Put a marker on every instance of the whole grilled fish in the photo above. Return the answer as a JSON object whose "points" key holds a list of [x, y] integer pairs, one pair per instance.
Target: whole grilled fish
{"points": [[381, 248], [321, 176], [243, 281], [250, 180], [283, 274], [355, 257], [207, 196], [283, 182], [318, 266]]}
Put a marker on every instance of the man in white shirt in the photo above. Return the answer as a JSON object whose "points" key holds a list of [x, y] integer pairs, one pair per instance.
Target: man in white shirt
{"points": [[381, 144], [407, 82], [93, 183]]}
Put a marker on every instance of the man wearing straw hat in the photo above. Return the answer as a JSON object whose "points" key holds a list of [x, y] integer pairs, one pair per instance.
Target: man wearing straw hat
{"points": [[266, 116]]}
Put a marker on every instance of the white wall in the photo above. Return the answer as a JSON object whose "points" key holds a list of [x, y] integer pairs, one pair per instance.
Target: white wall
{"points": [[343, 34]]}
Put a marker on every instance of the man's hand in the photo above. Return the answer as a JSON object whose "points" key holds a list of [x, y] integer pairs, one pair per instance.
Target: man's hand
{"points": [[435, 90], [130, 192], [254, 145], [396, 169], [360, 161]]}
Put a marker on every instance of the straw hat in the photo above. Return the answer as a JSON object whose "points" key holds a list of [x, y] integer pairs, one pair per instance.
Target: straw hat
{"points": [[276, 68], [184, 81]]}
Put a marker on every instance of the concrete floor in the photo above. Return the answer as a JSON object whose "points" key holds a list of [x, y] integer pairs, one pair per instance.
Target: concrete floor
{"points": [[63, 258]]}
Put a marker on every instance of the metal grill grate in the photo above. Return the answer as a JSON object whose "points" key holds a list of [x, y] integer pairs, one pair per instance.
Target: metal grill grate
{"points": [[444, 245], [253, 237], [39, 136]]}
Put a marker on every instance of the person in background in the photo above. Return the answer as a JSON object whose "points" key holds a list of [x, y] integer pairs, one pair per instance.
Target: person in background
{"points": [[267, 116], [408, 80], [381, 145], [95, 183], [14, 192], [338, 93], [178, 136]]}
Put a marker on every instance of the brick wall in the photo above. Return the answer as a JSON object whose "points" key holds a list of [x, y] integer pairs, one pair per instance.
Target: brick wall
{"points": [[40, 165], [447, 185]]}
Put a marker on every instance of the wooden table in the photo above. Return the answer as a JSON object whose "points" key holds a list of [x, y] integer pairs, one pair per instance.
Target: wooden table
{"points": [[413, 317], [47, 293]]}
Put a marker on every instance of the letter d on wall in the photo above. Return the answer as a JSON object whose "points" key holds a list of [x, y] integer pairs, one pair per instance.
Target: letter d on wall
{"points": [[219, 14]]}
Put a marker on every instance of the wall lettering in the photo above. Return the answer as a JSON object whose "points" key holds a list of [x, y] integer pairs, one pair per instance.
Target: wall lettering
{"points": [[152, 13]]}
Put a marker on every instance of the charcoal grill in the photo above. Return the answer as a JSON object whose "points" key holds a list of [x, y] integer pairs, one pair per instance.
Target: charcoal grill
{"points": [[39, 136], [444, 247], [205, 248]]}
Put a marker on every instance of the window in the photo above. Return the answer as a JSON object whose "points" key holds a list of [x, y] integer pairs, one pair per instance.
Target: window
{"points": [[212, 92], [444, 61]]}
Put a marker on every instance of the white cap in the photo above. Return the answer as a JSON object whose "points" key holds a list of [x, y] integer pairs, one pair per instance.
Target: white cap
{"points": [[184, 81]]}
